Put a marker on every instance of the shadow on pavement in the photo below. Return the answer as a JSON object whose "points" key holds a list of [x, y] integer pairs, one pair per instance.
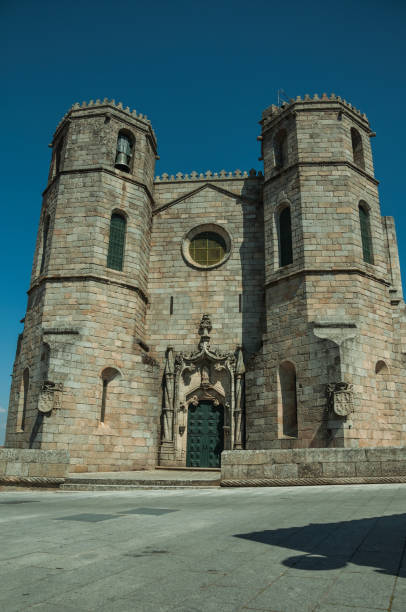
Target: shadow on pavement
{"points": [[375, 542]]}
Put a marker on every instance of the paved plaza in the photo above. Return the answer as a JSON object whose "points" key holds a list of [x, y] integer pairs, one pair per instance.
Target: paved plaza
{"points": [[330, 549]]}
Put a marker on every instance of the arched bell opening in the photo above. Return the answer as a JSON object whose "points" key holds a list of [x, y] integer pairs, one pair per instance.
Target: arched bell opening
{"points": [[205, 434]]}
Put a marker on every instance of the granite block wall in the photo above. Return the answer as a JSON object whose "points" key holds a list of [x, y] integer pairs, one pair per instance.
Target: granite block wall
{"points": [[336, 321]]}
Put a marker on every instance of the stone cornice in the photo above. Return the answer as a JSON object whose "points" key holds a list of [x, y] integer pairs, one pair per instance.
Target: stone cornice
{"points": [[116, 173], [337, 162], [230, 194], [60, 278], [328, 271]]}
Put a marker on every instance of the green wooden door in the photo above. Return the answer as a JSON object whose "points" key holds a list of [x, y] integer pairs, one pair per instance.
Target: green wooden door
{"points": [[204, 435]]}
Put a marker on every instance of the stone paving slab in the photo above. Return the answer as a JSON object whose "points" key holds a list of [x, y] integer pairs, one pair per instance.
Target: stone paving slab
{"points": [[321, 549]]}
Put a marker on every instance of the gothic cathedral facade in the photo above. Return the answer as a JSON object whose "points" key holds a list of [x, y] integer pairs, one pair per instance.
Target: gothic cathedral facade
{"points": [[174, 317]]}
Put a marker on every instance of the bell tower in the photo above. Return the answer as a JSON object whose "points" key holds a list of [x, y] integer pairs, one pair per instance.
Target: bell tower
{"points": [[84, 344], [329, 269]]}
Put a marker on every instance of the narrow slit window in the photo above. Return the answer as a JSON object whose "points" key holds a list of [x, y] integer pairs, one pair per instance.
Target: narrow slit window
{"points": [[171, 305], [285, 238], [366, 239], [103, 403], [115, 256], [45, 233]]}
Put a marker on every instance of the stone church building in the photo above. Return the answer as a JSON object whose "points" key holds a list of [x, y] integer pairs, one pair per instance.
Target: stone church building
{"points": [[171, 318]]}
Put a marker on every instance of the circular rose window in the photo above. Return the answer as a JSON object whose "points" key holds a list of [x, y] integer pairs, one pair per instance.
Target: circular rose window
{"points": [[206, 246]]}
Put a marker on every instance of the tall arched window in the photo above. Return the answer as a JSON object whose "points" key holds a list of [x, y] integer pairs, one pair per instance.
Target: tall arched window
{"points": [[24, 399], [45, 231], [288, 398], [357, 148], [115, 255], [280, 147], [285, 237], [365, 228], [125, 145], [108, 375]]}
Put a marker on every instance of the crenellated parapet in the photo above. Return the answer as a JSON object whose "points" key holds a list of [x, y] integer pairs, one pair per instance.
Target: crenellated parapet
{"points": [[104, 105], [274, 111], [209, 176]]}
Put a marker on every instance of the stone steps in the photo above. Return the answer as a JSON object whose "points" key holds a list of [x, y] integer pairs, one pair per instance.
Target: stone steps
{"points": [[69, 486], [149, 479]]}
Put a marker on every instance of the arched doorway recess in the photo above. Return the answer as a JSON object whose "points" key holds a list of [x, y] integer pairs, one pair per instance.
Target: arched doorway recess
{"points": [[203, 404]]}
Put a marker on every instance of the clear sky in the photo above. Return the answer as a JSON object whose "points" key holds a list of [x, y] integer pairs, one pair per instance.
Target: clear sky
{"points": [[202, 72]]}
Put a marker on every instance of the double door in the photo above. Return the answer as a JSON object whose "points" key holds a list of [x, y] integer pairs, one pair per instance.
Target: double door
{"points": [[205, 435]]}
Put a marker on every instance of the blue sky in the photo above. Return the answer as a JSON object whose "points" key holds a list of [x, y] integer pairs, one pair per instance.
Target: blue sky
{"points": [[202, 72]]}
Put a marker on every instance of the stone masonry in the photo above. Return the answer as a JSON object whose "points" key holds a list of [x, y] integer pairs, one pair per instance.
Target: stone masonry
{"points": [[295, 337]]}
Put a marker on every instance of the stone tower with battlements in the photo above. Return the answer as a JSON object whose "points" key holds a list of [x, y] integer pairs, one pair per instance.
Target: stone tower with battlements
{"points": [[171, 319]]}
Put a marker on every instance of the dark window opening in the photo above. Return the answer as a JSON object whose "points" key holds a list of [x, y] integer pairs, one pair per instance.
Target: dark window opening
{"points": [[58, 156], [357, 148], [44, 242], [366, 238], [285, 238], [103, 404], [281, 149], [115, 256]]}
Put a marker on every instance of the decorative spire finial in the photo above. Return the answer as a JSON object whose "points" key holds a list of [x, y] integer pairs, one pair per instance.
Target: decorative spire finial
{"points": [[204, 332]]}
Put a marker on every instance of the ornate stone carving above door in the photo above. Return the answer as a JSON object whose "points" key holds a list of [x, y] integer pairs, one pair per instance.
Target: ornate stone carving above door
{"points": [[203, 375]]}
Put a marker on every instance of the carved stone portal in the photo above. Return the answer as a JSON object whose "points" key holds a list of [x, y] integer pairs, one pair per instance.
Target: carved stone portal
{"points": [[205, 374]]}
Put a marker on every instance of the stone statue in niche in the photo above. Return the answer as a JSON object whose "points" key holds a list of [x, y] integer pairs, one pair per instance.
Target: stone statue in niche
{"points": [[340, 398]]}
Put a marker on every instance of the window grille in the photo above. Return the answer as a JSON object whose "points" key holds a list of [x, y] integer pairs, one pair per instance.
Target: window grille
{"points": [[285, 238], [207, 248], [365, 235], [115, 256]]}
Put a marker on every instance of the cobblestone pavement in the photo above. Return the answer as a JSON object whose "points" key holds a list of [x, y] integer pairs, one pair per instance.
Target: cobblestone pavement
{"points": [[328, 549]]}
